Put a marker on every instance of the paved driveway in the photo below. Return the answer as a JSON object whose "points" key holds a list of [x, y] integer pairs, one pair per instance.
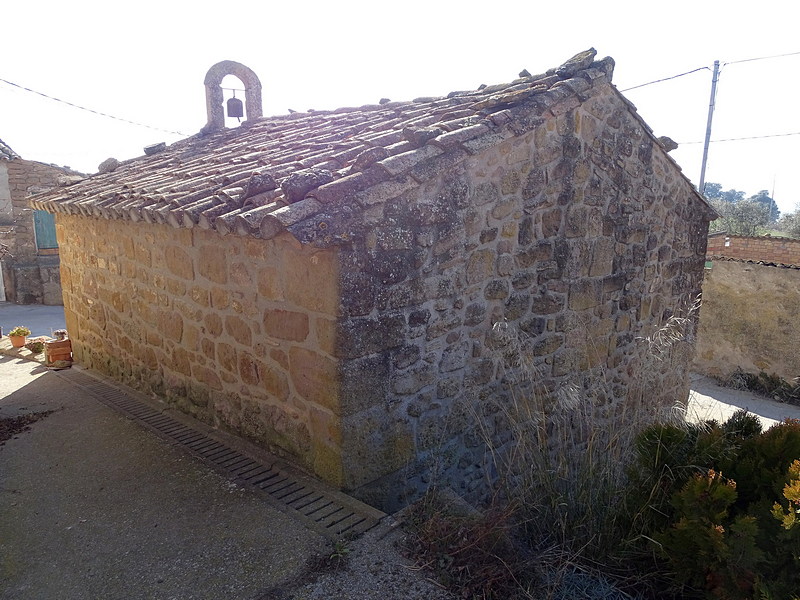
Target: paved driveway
{"points": [[40, 319], [708, 400], [93, 506]]}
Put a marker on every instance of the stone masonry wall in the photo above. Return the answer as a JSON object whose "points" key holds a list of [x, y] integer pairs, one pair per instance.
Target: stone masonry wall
{"points": [[362, 350], [580, 234], [29, 278], [764, 248], [750, 320], [235, 331]]}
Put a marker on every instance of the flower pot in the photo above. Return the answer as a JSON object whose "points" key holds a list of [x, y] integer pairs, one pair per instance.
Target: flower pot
{"points": [[18, 341], [58, 350]]}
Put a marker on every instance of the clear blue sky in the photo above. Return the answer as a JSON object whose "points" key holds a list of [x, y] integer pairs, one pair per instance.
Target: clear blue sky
{"points": [[146, 61]]}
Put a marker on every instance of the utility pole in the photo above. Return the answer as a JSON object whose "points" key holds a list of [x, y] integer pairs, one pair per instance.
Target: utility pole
{"points": [[714, 79]]}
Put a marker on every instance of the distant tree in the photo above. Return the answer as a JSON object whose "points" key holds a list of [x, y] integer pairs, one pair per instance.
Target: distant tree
{"points": [[740, 216], [743, 217], [790, 223], [732, 196], [763, 198], [713, 191]]}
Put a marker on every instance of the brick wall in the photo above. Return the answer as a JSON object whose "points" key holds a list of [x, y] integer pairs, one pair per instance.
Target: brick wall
{"points": [[768, 249]]}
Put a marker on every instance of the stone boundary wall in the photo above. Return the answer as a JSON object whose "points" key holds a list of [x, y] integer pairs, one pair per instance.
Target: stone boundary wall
{"points": [[29, 278], [235, 331], [750, 319], [764, 248]]}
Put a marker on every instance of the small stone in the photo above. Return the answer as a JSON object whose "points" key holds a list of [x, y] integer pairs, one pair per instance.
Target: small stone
{"points": [[577, 63], [108, 165], [668, 143], [155, 148]]}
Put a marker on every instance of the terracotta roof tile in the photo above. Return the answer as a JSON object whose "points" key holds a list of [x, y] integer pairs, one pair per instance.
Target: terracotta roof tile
{"points": [[6, 152], [245, 180]]}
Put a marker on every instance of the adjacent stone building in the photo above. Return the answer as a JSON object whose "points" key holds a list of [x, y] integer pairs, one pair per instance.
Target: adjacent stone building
{"points": [[29, 272], [327, 283]]}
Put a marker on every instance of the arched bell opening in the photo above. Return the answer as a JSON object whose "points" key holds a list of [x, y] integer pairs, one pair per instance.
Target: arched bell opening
{"points": [[235, 102], [218, 106]]}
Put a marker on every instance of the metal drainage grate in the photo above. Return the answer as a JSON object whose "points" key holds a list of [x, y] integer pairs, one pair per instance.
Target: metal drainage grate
{"points": [[327, 511]]}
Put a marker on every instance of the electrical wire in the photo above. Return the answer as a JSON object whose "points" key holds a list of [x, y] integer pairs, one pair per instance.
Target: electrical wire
{"points": [[744, 60], [733, 62], [96, 112], [665, 79], [754, 137]]}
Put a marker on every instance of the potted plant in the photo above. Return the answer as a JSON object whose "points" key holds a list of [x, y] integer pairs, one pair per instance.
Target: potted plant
{"points": [[18, 335]]}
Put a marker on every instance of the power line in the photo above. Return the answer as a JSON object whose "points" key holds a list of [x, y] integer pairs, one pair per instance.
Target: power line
{"points": [[733, 62], [744, 60], [665, 79], [96, 112], [754, 137]]}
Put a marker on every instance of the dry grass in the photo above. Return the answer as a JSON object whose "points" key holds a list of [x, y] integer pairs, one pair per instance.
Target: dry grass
{"points": [[566, 464], [561, 485]]}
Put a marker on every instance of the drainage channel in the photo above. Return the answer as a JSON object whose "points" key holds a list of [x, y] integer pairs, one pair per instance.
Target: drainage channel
{"points": [[324, 510]]}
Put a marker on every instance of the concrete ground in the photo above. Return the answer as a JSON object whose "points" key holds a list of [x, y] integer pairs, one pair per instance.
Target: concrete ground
{"points": [[709, 400], [94, 506], [40, 319]]}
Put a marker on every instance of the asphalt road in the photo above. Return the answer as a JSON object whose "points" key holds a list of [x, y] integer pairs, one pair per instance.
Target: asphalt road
{"points": [[40, 319], [708, 400]]}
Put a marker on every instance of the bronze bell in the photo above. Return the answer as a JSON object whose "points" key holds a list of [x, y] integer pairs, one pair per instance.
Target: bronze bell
{"points": [[235, 108]]}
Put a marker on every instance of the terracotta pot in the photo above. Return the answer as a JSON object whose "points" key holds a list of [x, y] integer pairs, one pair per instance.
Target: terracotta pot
{"points": [[17, 341]]}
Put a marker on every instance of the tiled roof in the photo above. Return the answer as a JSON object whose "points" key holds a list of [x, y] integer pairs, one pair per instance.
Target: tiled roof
{"points": [[273, 173], [765, 263], [6, 152]]}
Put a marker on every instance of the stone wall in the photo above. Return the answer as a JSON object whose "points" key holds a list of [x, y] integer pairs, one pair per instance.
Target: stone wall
{"points": [[765, 248], [235, 331], [6, 205], [580, 234], [361, 348], [29, 277], [750, 320]]}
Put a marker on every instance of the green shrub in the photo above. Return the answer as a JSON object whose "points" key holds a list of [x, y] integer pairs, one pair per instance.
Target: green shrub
{"points": [[721, 504], [707, 546], [36, 346]]}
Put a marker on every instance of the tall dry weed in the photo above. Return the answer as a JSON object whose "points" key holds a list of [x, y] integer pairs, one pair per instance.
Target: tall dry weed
{"points": [[572, 443]]}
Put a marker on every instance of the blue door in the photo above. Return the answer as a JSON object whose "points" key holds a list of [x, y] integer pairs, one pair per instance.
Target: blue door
{"points": [[45, 225]]}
